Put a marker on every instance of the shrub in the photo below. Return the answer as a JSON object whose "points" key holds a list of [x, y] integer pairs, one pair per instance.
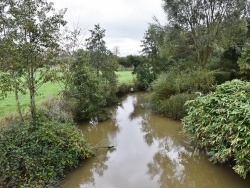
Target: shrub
{"points": [[33, 156], [173, 107], [123, 89], [176, 82], [57, 109], [220, 122]]}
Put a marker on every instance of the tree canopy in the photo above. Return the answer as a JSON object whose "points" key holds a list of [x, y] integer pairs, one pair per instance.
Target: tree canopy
{"points": [[209, 22]]}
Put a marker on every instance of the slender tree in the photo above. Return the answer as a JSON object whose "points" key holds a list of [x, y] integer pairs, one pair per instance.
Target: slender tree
{"points": [[97, 48], [33, 27]]}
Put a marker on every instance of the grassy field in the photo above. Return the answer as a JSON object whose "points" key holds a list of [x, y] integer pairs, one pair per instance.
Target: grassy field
{"points": [[125, 76], [8, 105]]}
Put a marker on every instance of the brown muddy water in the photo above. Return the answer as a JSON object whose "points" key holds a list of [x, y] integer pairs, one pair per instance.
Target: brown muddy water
{"points": [[150, 152]]}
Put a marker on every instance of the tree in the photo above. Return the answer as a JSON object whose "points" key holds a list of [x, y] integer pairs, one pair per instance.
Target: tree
{"points": [[116, 50], [102, 59], [149, 46], [152, 45], [97, 48], [208, 22], [86, 90], [32, 28]]}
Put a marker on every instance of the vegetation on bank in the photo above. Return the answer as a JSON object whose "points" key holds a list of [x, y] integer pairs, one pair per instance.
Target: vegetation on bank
{"points": [[171, 90], [35, 155], [220, 122]]}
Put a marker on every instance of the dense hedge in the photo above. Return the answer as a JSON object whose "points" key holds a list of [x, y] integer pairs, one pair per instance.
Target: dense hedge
{"points": [[220, 121], [34, 156]]}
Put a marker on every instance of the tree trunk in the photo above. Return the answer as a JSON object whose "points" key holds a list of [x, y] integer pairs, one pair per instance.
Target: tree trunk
{"points": [[32, 93], [17, 97]]}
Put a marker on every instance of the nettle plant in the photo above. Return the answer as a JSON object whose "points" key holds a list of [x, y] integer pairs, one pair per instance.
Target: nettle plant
{"points": [[220, 122]]}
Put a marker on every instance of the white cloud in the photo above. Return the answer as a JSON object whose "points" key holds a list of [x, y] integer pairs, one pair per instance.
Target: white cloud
{"points": [[125, 21]]}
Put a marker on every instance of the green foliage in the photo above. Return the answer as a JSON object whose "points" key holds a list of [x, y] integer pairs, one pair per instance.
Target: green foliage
{"points": [[100, 58], [143, 72], [144, 76], [210, 24], [173, 106], [244, 62], [36, 155], [222, 76], [123, 89], [87, 93], [220, 122], [177, 82], [124, 61]]}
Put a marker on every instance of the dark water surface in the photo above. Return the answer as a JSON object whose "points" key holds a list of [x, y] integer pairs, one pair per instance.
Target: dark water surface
{"points": [[150, 152]]}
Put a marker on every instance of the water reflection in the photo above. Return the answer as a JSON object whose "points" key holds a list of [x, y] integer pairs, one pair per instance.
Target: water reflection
{"points": [[150, 151]]}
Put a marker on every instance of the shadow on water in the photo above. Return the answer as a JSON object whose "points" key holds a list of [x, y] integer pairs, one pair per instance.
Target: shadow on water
{"points": [[150, 152]]}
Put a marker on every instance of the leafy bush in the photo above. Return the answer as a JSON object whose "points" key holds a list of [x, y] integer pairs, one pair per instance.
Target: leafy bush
{"points": [[33, 156], [173, 107], [220, 122], [123, 89], [176, 82]]}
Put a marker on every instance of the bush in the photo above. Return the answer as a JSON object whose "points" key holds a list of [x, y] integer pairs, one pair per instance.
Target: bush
{"points": [[220, 122], [57, 109], [172, 89], [177, 81], [33, 156], [123, 89], [173, 107]]}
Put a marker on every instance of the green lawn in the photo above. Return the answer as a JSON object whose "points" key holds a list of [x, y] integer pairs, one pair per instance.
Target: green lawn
{"points": [[125, 76], [8, 105]]}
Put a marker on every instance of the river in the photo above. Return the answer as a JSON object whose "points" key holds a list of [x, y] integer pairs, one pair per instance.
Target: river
{"points": [[149, 151]]}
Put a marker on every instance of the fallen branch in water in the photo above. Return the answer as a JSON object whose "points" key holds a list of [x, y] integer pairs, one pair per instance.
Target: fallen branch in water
{"points": [[107, 147]]}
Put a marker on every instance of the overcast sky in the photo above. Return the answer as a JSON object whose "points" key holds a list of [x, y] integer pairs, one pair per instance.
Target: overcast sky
{"points": [[125, 21]]}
